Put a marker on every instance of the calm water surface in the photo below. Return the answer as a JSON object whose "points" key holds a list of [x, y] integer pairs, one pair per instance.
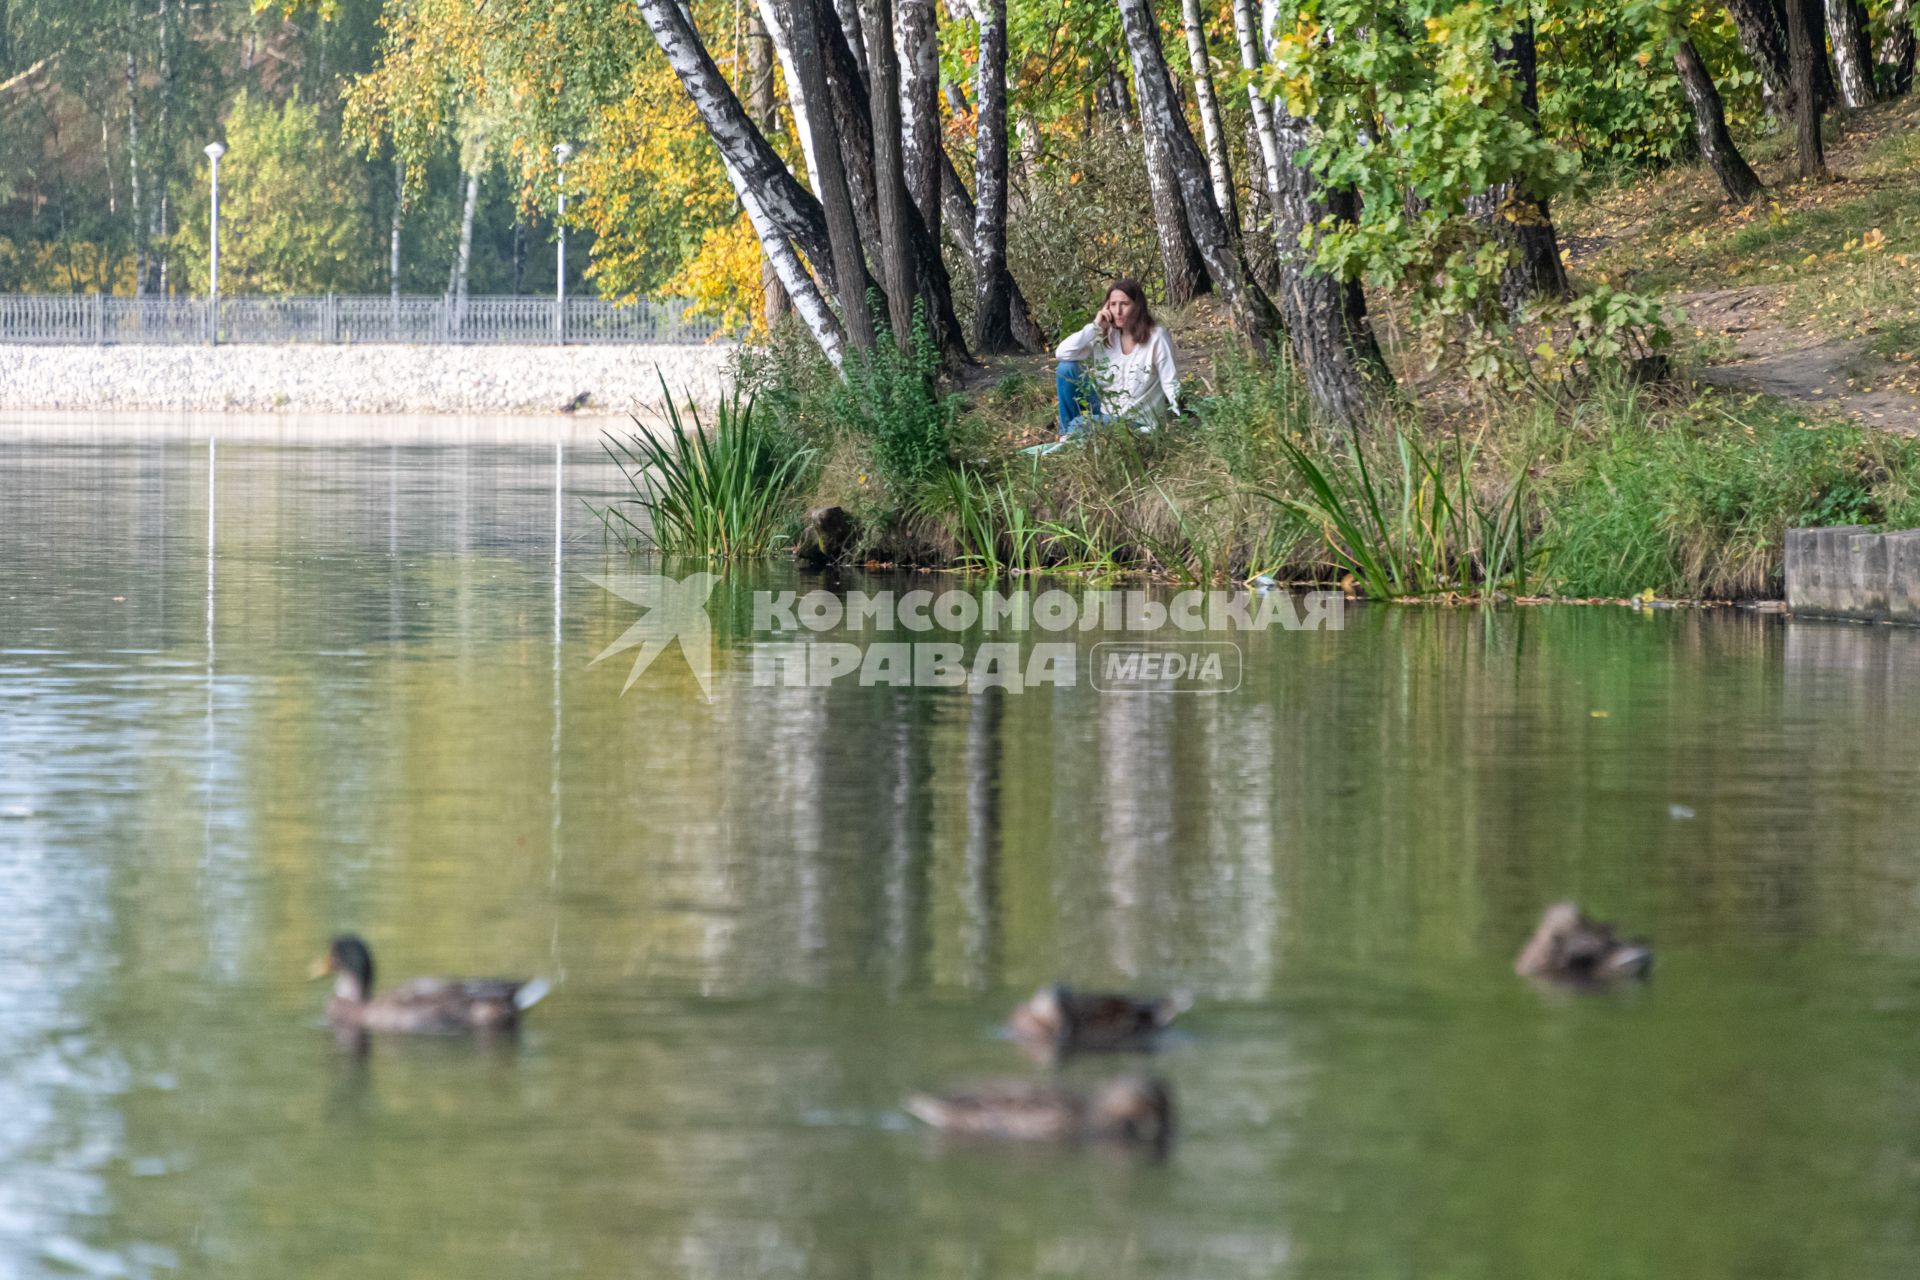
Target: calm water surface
{"points": [[355, 693]]}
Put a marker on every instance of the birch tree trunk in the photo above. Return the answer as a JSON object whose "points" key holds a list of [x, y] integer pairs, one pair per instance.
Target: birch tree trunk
{"points": [[774, 305], [1254, 317], [1846, 25], [843, 234], [1896, 51], [783, 214], [1260, 112], [919, 52], [852, 121], [393, 238], [1710, 126], [457, 285], [1209, 106], [959, 215], [783, 203], [1181, 266], [889, 171], [133, 164], [775, 27], [992, 318], [1809, 151]]}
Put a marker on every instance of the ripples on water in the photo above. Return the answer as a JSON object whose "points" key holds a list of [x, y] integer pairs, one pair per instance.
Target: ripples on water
{"points": [[773, 916]]}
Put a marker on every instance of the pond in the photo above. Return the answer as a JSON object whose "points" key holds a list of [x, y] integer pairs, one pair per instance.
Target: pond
{"points": [[254, 690]]}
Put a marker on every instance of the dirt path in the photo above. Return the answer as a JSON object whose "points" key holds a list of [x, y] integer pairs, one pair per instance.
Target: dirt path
{"points": [[1770, 351]]}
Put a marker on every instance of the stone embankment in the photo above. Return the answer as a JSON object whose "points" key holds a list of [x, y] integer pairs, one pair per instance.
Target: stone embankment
{"points": [[1850, 572], [612, 378]]}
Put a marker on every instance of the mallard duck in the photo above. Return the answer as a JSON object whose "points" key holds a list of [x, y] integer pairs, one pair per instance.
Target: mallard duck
{"points": [[1570, 947], [425, 1005], [1057, 1021], [1132, 1109]]}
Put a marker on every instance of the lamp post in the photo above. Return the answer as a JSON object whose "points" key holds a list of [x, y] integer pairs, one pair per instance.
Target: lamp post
{"points": [[214, 151], [562, 152]]}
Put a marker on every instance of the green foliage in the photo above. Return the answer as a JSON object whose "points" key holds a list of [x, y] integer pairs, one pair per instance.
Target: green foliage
{"points": [[991, 522], [891, 400], [724, 493], [1698, 502], [293, 207]]}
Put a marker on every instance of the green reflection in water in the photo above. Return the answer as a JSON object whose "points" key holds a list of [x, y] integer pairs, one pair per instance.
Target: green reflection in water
{"points": [[771, 916]]}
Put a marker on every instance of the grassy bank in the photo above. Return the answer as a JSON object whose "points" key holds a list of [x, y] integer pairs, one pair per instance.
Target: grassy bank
{"points": [[1679, 489], [1608, 489]]}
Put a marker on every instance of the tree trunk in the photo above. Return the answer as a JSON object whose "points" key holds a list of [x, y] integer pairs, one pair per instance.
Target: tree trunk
{"points": [[1326, 317], [919, 51], [783, 203], [783, 214], [457, 284], [776, 29], [133, 165], [847, 12], [889, 171], [1209, 105], [160, 169], [393, 239], [1896, 51], [843, 233], [1181, 265], [1823, 81], [1254, 317], [992, 298], [1256, 217], [1847, 26], [1710, 126], [1805, 55], [774, 304], [1260, 111], [1762, 26], [852, 119], [1518, 217], [960, 216]]}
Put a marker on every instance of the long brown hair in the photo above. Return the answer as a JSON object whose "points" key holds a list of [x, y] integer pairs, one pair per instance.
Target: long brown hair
{"points": [[1142, 327]]}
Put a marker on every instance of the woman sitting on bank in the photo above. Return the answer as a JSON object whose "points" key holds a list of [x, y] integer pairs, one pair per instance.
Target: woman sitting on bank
{"points": [[1123, 365]]}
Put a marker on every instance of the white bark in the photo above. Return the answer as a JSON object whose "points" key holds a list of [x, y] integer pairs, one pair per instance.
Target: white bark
{"points": [[1209, 106], [796, 96]]}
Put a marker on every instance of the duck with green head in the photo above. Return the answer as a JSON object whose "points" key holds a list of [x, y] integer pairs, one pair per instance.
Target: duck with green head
{"points": [[426, 1006]]}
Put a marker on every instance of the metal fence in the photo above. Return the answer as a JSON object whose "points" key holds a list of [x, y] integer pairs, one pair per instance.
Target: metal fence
{"points": [[78, 318]]}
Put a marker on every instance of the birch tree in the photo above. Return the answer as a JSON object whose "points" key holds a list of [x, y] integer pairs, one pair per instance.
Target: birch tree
{"points": [[1163, 123], [992, 321]]}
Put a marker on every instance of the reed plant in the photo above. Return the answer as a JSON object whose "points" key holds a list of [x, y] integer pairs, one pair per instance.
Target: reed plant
{"points": [[724, 492], [1409, 522]]}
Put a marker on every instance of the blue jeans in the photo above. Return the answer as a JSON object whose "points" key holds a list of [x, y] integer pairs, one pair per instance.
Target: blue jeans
{"points": [[1079, 397]]}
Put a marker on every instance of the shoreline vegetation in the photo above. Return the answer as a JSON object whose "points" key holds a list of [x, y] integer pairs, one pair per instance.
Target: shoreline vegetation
{"points": [[1633, 476], [1632, 492]]}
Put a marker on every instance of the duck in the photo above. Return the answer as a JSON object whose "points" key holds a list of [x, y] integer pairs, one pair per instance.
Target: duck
{"points": [[1059, 1021], [1569, 946], [424, 1006], [1136, 1110]]}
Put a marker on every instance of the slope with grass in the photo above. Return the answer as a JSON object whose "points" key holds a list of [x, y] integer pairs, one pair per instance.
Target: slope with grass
{"points": [[1812, 294]]}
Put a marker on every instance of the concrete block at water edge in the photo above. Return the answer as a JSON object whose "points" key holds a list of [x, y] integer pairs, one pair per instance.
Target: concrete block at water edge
{"points": [[1865, 595], [1903, 576], [1819, 567]]}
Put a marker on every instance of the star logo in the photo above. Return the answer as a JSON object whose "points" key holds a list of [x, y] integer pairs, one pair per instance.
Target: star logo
{"points": [[673, 609]]}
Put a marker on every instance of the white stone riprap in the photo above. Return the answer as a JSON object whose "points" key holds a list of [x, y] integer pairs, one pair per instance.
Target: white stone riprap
{"points": [[615, 378]]}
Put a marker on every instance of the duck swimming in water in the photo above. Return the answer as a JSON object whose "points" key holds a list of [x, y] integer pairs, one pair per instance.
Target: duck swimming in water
{"points": [[1058, 1021], [426, 1006], [1133, 1109], [1570, 947]]}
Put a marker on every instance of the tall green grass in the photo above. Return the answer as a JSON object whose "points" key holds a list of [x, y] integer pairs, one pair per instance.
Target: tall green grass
{"points": [[722, 493], [1410, 521]]}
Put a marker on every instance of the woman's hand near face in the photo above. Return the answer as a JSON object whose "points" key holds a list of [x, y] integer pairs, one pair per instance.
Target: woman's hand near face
{"points": [[1105, 320]]}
